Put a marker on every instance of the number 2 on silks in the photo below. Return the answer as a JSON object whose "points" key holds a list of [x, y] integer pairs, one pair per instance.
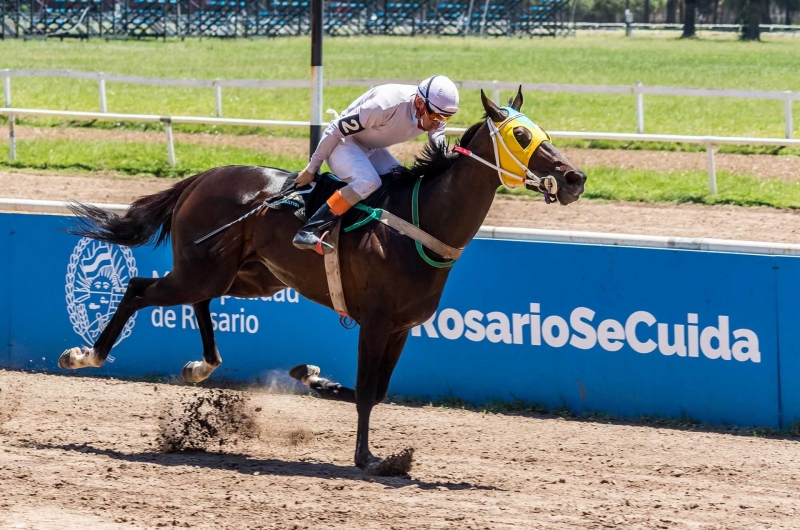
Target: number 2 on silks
{"points": [[350, 125]]}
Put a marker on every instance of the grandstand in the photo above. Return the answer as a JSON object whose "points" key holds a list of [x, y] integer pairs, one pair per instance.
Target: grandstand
{"points": [[85, 19]]}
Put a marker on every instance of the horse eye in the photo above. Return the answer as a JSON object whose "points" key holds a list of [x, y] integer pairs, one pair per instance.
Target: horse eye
{"points": [[523, 137]]}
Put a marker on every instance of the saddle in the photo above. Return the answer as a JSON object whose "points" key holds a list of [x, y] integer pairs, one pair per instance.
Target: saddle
{"points": [[306, 200]]}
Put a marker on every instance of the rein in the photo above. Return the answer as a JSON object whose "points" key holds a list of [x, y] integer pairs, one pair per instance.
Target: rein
{"points": [[546, 185]]}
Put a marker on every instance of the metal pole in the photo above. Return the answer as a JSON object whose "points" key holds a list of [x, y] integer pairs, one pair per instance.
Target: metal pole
{"points": [[628, 18], [483, 20], [712, 169], [496, 92], [170, 144], [787, 111], [218, 90], [103, 106], [12, 140], [639, 108], [316, 75], [469, 17]]}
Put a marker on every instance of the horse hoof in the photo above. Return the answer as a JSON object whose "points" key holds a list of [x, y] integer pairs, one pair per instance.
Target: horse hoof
{"points": [[196, 371], [304, 373], [397, 465], [74, 358]]}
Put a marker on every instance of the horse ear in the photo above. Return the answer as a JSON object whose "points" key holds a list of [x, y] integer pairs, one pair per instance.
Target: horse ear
{"points": [[517, 103], [493, 111]]}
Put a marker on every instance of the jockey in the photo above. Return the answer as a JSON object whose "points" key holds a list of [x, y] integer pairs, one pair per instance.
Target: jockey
{"points": [[354, 145]]}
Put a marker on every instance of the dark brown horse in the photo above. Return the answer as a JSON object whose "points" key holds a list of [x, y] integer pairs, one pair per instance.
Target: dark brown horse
{"points": [[388, 288]]}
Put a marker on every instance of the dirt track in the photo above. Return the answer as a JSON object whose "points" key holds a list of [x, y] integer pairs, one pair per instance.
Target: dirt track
{"points": [[81, 453]]}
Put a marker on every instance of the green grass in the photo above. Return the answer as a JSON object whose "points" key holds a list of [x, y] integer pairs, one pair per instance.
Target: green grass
{"points": [[611, 184], [604, 59], [678, 147], [686, 186], [137, 158]]}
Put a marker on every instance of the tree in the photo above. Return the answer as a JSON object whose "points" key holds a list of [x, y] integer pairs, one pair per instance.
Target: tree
{"points": [[751, 18], [789, 7], [688, 20], [671, 8], [765, 15]]}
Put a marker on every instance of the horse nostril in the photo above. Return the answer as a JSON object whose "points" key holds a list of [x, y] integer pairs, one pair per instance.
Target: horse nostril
{"points": [[574, 178]]}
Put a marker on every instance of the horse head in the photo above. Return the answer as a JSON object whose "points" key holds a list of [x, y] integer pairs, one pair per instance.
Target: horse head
{"points": [[525, 154]]}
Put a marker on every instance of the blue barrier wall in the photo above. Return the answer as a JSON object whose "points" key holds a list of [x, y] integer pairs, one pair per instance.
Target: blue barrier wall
{"points": [[627, 331]]}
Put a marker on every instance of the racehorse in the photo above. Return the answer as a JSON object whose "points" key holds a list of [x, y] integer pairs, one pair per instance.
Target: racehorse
{"points": [[389, 288]]}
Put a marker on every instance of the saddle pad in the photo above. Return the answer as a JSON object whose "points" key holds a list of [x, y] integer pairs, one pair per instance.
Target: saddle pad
{"points": [[306, 200]]}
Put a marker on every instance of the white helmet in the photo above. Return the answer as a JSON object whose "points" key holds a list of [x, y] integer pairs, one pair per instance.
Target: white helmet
{"points": [[440, 94]]}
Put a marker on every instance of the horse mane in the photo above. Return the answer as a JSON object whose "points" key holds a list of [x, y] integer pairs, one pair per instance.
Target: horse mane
{"points": [[432, 162]]}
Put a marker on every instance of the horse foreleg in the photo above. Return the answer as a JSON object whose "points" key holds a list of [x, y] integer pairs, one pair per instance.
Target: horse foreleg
{"points": [[77, 357], [197, 371], [372, 341], [308, 374], [394, 347]]}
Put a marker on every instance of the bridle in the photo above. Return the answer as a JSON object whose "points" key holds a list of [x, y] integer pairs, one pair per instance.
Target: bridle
{"points": [[548, 186]]}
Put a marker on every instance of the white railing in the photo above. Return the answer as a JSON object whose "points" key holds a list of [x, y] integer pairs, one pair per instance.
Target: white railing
{"points": [[517, 234], [638, 90], [661, 26], [708, 141]]}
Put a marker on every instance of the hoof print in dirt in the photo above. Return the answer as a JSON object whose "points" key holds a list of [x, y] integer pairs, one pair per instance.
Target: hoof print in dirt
{"points": [[397, 465]]}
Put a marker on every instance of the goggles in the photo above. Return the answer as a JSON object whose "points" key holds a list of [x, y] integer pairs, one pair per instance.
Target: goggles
{"points": [[435, 116]]}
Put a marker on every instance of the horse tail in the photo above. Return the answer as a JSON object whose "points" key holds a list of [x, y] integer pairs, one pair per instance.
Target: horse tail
{"points": [[147, 220]]}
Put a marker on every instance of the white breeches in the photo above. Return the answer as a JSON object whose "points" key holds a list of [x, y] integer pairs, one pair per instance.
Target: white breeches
{"points": [[360, 168]]}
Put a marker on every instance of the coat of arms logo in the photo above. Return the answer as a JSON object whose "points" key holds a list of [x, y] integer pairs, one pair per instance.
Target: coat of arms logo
{"points": [[97, 276]]}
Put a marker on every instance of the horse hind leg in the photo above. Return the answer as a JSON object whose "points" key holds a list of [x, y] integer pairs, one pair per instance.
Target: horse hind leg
{"points": [[74, 358], [175, 288], [252, 280], [197, 371]]}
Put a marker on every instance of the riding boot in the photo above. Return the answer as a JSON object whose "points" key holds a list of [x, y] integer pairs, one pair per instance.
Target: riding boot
{"points": [[313, 232]]}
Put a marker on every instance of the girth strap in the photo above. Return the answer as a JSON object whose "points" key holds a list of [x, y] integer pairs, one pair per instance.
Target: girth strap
{"points": [[413, 231], [407, 229], [334, 273]]}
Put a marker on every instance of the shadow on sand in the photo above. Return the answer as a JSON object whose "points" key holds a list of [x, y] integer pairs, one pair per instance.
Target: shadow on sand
{"points": [[249, 466]]}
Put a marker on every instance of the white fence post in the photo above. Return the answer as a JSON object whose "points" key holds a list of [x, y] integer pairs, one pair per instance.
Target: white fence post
{"points": [[218, 90], [496, 93], [170, 144], [712, 169], [12, 140], [639, 108], [787, 112], [102, 86]]}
